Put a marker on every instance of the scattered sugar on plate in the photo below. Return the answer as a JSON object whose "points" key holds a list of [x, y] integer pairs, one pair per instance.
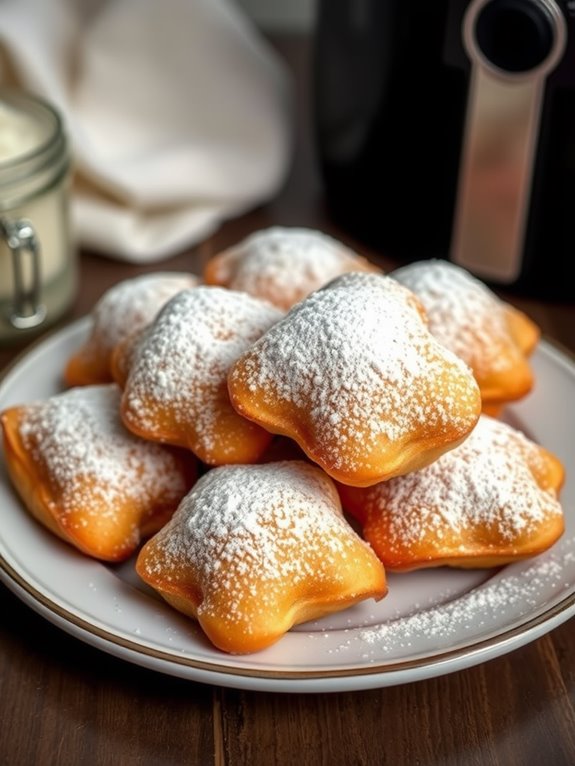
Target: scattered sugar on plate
{"points": [[508, 596]]}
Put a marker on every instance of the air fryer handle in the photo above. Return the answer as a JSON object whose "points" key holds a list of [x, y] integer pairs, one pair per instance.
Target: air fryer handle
{"points": [[512, 46]]}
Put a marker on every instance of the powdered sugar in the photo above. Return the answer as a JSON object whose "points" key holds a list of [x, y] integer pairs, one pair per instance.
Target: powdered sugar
{"points": [[357, 359], [257, 532], [464, 314], [134, 303], [182, 362], [508, 596], [92, 462], [285, 264], [484, 486]]}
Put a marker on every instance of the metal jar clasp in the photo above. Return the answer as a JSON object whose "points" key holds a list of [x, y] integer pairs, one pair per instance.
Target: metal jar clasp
{"points": [[27, 310]]}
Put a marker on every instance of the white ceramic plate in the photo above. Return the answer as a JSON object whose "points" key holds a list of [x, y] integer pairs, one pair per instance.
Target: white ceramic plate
{"points": [[432, 622]]}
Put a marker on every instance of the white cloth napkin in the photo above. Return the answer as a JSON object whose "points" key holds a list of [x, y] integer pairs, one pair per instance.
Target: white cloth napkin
{"points": [[177, 110]]}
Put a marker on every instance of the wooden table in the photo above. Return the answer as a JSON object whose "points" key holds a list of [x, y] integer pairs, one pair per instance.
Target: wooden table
{"points": [[64, 703]]}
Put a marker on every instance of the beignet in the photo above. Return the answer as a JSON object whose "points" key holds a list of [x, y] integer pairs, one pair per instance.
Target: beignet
{"points": [[353, 375], [488, 502], [253, 550], [122, 310], [87, 479], [283, 265], [491, 336], [175, 391]]}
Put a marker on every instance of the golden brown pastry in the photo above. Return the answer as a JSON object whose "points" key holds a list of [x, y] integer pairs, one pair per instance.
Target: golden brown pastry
{"points": [[175, 391], [253, 550], [124, 354], [283, 264], [353, 375], [122, 310], [490, 501], [491, 336], [87, 479]]}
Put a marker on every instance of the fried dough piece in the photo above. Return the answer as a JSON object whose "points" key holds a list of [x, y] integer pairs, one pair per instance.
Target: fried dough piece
{"points": [[490, 501], [494, 338], [175, 390], [86, 478], [253, 550], [283, 264], [353, 375], [123, 309]]}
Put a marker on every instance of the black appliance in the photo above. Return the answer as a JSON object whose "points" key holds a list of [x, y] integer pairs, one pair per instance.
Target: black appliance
{"points": [[446, 128]]}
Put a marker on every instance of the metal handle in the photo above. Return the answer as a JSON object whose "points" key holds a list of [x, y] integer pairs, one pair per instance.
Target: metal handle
{"points": [[27, 310], [500, 140]]}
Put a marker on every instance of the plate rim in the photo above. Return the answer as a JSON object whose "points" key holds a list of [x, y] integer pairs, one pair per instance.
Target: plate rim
{"points": [[378, 674], [557, 613]]}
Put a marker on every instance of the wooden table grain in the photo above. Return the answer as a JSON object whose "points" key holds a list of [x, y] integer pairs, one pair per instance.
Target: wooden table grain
{"points": [[64, 703]]}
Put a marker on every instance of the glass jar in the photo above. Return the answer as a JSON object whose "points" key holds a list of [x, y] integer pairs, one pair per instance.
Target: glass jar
{"points": [[37, 256]]}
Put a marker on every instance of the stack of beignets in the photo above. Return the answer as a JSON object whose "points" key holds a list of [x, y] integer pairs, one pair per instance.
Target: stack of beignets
{"points": [[494, 338], [298, 364], [176, 385], [283, 264], [353, 375], [123, 309], [253, 550], [86, 478], [490, 501]]}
